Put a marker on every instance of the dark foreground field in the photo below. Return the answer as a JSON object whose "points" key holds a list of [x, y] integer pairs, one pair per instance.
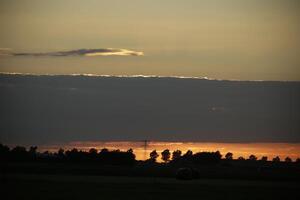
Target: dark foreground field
{"points": [[117, 175], [42, 186]]}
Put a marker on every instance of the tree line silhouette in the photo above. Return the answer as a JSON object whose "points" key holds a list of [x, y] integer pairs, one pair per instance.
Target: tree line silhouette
{"points": [[117, 157], [104, 156]]}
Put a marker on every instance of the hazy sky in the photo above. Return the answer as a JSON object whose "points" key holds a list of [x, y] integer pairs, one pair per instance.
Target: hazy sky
{"points": [[225, 39]]}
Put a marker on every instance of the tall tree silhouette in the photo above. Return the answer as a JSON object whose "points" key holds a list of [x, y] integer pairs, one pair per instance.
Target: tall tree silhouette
{"points": [[229, 156], [176, 154], [153, 156], [165, 155]]}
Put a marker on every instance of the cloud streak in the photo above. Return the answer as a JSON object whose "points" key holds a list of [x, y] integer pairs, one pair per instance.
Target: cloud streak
{"points": [[5, 52], [77, 52]]}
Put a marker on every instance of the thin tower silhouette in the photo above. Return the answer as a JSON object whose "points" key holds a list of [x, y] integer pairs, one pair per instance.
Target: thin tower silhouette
{"points": [[145, 149]]}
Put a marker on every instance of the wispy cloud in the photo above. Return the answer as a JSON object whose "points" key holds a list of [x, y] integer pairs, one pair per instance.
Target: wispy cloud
{"points": [[77, 52]]}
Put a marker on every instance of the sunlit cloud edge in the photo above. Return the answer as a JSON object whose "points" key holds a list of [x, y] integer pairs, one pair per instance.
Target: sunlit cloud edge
{"points": [[76, 52]]}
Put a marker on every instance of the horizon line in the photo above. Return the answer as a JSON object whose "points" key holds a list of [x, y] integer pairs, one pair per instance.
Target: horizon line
{"points": [[142, 76]]}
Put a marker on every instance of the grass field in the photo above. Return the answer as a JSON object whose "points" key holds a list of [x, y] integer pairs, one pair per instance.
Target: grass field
{"points": [[40, 186]]}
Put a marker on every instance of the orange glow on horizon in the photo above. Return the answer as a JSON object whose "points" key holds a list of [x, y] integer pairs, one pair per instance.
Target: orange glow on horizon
{"points": [[270, 150]]}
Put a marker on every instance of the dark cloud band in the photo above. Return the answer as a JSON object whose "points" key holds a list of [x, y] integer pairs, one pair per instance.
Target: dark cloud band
{"points": [[78, 52]]}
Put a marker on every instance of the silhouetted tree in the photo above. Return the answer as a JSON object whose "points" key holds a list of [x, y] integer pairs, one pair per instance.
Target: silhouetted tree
{"points": [[241, 158], [130, 152], [19, 149], [19, 153], [116, 157], [74, 155], [165, 155], [207, 157], [229, 156], [264, 158], [189, 153], [218, 155], [288, 159], [4, 152], [104, 150], [93, 151], [297, 160], [4, 148], [153, 156], [176, 154], [33, 149], [32, 152], [276, 159], [46, 152], [187, 157], [252, 158], [61, 152]]}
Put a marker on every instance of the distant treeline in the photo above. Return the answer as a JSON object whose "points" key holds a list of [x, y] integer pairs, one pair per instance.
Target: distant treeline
{"points": [[117, 157]]}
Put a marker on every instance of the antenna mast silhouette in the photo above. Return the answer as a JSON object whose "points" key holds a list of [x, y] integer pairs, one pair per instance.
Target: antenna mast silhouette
{"points": [[145, 148]]}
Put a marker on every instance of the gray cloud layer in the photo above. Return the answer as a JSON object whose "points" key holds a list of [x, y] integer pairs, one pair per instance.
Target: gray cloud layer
{"points": [[43, 109], [77, 52]]}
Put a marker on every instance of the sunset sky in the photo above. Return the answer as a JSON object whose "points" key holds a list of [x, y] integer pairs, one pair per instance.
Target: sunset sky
{"points": [[223, 39], [198, 72]]}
